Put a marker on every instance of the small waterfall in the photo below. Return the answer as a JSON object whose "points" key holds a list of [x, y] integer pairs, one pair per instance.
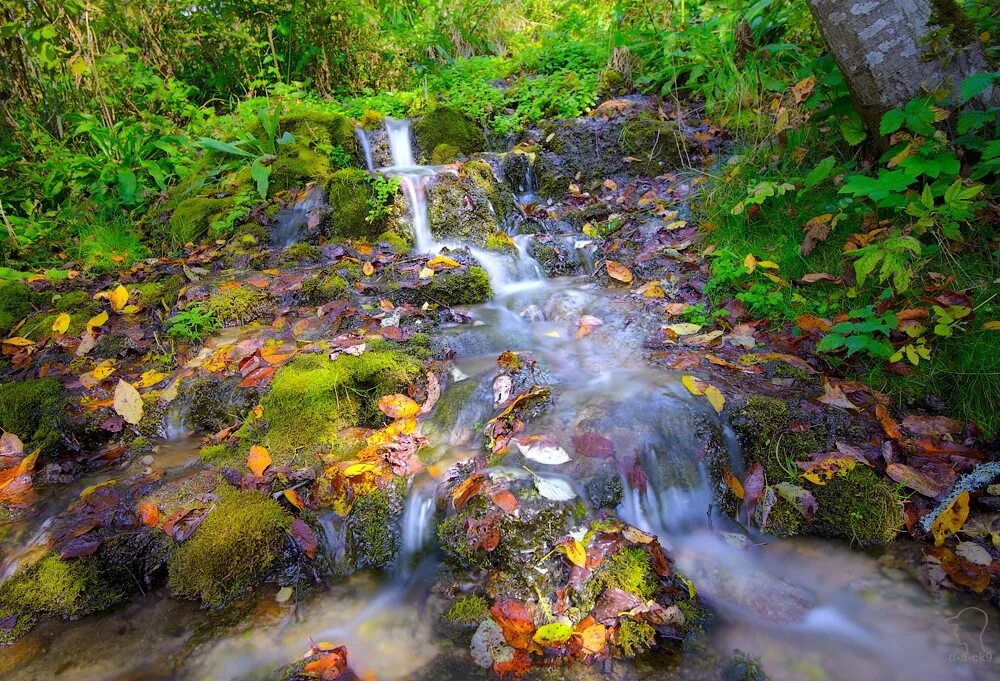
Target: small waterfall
{"points": [[509, 273], [418, 517], [366, 147], [175, 421], [413, 179], [292, 221]]}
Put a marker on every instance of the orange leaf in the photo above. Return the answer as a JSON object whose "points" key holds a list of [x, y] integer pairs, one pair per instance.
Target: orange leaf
{"points": [[149, 514], [258, 460], [733, 482], [118, 298], [618, 271], [294, 499]]}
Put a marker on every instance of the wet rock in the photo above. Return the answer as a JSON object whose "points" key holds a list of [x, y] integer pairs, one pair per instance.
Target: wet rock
{"points": [[217, 401], [372, 528], [34, 410], [467, 208], [605, 488]]}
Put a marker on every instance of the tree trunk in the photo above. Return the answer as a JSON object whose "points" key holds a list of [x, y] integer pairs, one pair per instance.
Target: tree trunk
{"points": [[891, 51]]}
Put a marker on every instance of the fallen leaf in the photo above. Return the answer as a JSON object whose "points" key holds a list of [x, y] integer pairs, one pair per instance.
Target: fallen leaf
{"points": [[915, 480], [398, 406], [694, 385], [594, 638], [554, 489], [750, 263], [61, 324], [553, 634], [128, 402], [733, 483], [543, 453], [951, 519], [442, 262], [368, 269], [304, 538], [593, 445], [258, 460], [118, 298], [715, 398], [515, 621], [294, 499], [823, 471], [97, 321], [683, 328], [834, 396], [575, 551], [149, 514], [618, 271]]}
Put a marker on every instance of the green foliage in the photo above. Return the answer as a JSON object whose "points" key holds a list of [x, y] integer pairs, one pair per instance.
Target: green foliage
{"points": [[260, 153], [233, 549], [891, 256], [193, 324], [468, 610], [865, 330], [382, 197], [110, 247]]}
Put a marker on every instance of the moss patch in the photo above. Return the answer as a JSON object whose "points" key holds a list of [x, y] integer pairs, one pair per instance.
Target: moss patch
{"points": [[15, 304], [469, 610], [192, 218], [658, 145], [34, 411], [238, 305], [322, 289], [348, 193], [633, 637], [444, 125], [457, 288], [861, 506], [372, 529], [444, 153], [235, 548], [312, 398], [309, 158], [56, 587]]}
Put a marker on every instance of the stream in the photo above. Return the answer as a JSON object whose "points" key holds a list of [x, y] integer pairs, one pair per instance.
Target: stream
{"points": [[809, 609]]}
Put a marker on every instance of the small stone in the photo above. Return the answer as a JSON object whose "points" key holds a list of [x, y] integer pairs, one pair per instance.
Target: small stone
{"points": [[148, 460]]}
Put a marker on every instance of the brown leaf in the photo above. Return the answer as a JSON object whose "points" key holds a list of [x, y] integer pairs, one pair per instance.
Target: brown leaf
{"points": [[593, 445], [466, 490], [515, 621], [330, 665], [618, 271], [304, 538], [834, 396], [889, 424], [915, 480], [817, 229], [505, 500], [733, 482]]}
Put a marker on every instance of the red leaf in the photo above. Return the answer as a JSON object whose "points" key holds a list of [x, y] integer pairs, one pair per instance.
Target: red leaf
{"points": [[594, 445], [304, 538]]}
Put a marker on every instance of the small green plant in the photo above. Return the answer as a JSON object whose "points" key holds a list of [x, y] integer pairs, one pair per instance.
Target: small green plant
{"points": [[260, 152], [891, 255], [193, 324], [381, 199], [864, 331]]}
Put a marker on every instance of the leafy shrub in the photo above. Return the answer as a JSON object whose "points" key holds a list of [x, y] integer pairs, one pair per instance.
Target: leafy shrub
{"points": [[193, 324]]}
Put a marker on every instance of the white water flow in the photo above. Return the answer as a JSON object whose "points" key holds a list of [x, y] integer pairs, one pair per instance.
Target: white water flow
{"points": [[417, 526], [366, 147], [413, 178]]}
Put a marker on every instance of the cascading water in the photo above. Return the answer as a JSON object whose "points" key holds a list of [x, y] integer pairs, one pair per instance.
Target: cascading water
{"points": [[413, 178], [418, 516], [292, 222], [366, 147]]}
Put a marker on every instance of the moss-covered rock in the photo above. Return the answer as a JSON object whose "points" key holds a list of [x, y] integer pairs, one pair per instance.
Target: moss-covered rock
{"points": [[15, 304], [312, 398], [34, 410], [371, 120], [445, 153], [300, 253], [322, 289], [234, 549], [444, 125], [501, 242], [349, 192], [459, 209], [74, 301], [762, 425], [217, 401], [659, 145], [154, 294], [192, 218], [237, 305], [455, 287], [51, 586], [372, 532], [310, 157], [862, 506], [468, 610], [39, 326]]}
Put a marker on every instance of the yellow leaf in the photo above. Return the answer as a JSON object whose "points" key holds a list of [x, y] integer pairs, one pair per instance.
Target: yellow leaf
{"points": [[104, 369], [19, 342], [441, 261], [150, 378], [553, 634], [360, 469], [28, 463], [776, 279], [130, 309], [715, 398], [684, 328], [618, 271], [368, 269], [992, 326], [426, 273], [694, 385], [128, 403], [733, 483], [258, 411], [258, 460], [951, 519], [61, 324], [294, 499], [654, 291], [575, 551], [750, 263], [594, 638], [820, 473], [118, 298], [398, 406], [97, 320], [767, 264]]}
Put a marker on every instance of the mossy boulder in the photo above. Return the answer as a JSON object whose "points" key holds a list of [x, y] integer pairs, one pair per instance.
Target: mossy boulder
{"points": [[310, 157], [444, 153], [313, 397], [444, 125], [217, 401], [862, 506], [763, 428], [372, 529], [349, 193], [322, 289], [237, 305], [34, 410], [456, 287], [300, 253], [61, 588], [15, 304], [468, 208], [235, 548], [659, 145], [192, 218]]}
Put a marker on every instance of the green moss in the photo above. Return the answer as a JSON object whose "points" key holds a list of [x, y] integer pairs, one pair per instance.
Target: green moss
{"points": [[657, 143], [372, 533], [861, 506], [192, 218], [469, 610], [371, 120], [948, 15], [40, 326], [348, 193], [238, 305], [302, 252], [481, 174], [152, 294], [500, 242], [215, 454], [323, 289], [312, 397], [233, 550], [633, 637], [140, 443], [34, 411], [444, 153], [309, 158], [630, 570], [457, 288], [447, 126], [611, 84], [784, 520], [762, 426], [55, 587], [15, 304], [74, 301], [398, 243]]}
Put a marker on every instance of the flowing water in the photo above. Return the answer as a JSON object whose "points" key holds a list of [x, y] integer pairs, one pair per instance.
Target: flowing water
{"points": [[811, 610]]}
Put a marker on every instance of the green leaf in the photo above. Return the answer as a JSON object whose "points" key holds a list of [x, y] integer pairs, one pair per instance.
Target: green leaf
{"points": [[866, 264], [975, 85], [891, 121], [224, 147], [853, 129], [127, 184], [261, 174], [820, 172]]}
